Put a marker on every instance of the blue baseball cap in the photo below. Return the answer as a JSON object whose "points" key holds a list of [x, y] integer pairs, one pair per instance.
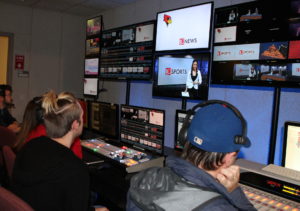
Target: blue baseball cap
{"points": [[216, 128]]}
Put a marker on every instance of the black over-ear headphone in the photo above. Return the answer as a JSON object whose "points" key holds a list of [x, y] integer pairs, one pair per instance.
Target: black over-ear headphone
{"points": [[239, 139]]}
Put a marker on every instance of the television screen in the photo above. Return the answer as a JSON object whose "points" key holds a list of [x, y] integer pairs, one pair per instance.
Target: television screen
{"points": [[273, 50], [93, 26], [92, 46], [91, 66], [226, 16], [90, 86], [291, 146], [182, 29], [143, 128], [173, 76], [236, 52], [225, 34], [144, 33], [294, 29], [104, 118], [294, 49], [127, 35], [295, 8]]}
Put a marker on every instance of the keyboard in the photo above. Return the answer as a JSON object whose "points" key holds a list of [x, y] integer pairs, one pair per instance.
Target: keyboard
{"points": [[282, 171]]}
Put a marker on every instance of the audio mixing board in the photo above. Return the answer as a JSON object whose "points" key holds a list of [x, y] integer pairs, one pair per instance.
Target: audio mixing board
{"points": [[268, 191]]}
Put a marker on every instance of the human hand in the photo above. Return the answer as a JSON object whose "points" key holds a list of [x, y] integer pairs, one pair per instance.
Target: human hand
{"points": [[229, 177]]}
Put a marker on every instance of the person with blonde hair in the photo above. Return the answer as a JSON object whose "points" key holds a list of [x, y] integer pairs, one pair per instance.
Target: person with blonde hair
{"points": [[47, 174]]}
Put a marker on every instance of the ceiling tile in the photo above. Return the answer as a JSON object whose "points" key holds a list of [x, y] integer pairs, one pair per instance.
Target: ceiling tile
{"points": [[101, 4], [57, 5], [20, 2], [82, 11]]}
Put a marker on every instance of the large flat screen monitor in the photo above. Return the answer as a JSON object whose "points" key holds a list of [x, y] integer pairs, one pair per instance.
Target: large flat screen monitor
{"points": [[143, 128], [291, 145], [90, 87], [184, 29], [264, 49], [104, 119], [173, 76]]}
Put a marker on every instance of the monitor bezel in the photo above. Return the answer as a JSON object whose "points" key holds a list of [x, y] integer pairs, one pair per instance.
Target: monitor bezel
{"points": [[189, 49], [140, 146]]}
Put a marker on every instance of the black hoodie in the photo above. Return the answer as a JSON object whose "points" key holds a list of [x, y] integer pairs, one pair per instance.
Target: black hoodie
{"points": [[49, 176]]}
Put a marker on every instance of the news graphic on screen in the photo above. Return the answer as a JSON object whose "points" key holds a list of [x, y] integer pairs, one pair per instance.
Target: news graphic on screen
{"points": [[294, 72], [173, 71], [181, 75], [236, 52], [93, 26], [90, 86], [294, 49], [92, 46], [182, 29], [105, 119], [291, 146], [91, 66], [144, 33], [225, 34], [274, 50], [143, 128]]}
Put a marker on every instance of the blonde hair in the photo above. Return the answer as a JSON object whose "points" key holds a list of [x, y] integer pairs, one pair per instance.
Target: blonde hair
{"points": [[60, 111]]}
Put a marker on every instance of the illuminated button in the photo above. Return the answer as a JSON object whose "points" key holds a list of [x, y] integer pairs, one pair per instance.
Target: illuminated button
{"points": [[257, 197], [286, 207], [295, 209], [271, 202], [264, 200]]}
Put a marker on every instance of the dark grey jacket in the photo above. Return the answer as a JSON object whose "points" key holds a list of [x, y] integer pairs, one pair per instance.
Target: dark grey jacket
{"points": [[182, 186]]}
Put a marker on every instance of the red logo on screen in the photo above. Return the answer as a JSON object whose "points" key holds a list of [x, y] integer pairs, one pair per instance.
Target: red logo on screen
{"points": [[181, 41], [167, 19], [298, 69], [242, 52], [168, 71], [176, 71], [221, 53]]}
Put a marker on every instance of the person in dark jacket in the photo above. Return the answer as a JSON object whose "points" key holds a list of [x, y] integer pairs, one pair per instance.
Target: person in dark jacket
{"points": [[6, 119], [47, 175], [205, 177]]}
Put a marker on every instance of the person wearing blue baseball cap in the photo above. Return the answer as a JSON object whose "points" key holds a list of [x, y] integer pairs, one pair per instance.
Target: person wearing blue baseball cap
{"points": [[204, 177]]}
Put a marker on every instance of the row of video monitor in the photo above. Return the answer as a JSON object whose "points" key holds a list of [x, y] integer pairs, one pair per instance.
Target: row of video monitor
{"points": [[258, 51], [138, 127], [258, 21]]}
